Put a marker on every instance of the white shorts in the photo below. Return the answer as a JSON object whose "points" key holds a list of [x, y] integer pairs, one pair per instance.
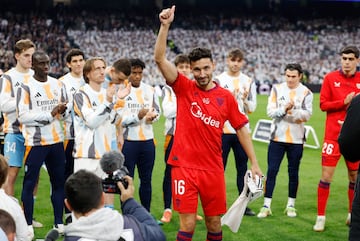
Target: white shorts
{"points": [[89, 164]]}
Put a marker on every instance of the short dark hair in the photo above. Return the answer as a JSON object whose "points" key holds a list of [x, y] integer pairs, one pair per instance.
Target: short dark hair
{"points": [[4, 168], [235, 53], [7, 222], [181, 58], [137, 63], [199, 53], [83, 190], [350, 49], [72, 53], [122, 65], [294, 66], [37, 54]]}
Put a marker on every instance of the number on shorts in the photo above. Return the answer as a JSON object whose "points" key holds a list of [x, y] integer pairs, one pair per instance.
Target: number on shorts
{"points": [[11, 147], [328, 148], [179, 187]]}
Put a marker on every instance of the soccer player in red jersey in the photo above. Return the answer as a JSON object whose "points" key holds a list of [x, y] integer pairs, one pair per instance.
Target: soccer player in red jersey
{"points": [[202, 108], [338, 89]]}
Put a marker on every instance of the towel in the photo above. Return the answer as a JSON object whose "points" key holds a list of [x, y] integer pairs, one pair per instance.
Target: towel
{"points": [[253, 189]]}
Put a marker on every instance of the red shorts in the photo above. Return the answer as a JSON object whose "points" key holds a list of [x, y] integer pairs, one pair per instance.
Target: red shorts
{"points": [[331, 155], [189, 184]]}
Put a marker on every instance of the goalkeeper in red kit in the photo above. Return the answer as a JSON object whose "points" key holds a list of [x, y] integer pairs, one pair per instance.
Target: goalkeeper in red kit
{"points": [[338, 89]]}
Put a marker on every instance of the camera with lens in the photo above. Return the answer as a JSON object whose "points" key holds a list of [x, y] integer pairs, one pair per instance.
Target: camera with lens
{"points": [[109, 183], [112, 163]]}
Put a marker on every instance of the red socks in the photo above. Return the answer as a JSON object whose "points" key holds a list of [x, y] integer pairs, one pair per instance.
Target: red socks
{"points": [[323, 195], [184, 236], [187, 236], [214, 236], [351, 194]]}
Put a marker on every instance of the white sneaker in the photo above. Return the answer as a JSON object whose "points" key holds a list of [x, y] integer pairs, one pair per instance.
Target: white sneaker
{"points": [[59, 228], [30, 232], [320, 224], [291, 212], [166, 218], [37, 224], [348, 219], [264, 212]]}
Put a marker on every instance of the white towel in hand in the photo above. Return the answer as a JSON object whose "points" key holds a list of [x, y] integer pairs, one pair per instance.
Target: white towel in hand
{"points": [[251, 191]]}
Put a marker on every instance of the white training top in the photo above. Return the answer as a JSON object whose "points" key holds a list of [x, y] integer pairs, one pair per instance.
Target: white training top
{"points": [[10, 82], [93, 123], [72, 84], [237, 85], [169, 109], [36, 100], [142, 97], [289, 127]]}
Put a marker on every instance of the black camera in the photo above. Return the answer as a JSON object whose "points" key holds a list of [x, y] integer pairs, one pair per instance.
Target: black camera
{"points": [[109, 184]]}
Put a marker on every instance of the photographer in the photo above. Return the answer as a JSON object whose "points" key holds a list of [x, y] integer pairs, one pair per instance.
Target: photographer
{"points": [[85, 198]]}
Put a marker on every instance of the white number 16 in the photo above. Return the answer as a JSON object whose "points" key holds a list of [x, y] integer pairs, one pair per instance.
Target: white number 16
{"points": [[179, 187]]}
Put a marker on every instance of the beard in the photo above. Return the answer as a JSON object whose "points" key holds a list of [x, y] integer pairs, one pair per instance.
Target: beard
{"points": [[203, 82]]}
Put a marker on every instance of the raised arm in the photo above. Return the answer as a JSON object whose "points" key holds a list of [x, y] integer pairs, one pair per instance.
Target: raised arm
{"points": [[166, 67]]}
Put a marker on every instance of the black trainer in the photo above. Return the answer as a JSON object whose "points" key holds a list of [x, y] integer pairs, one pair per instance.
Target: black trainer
{"points": [[249, 212], [68, 220]]}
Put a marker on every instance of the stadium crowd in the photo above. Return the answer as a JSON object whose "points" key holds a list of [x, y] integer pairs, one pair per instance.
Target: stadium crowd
{"points": [[268, 41]]}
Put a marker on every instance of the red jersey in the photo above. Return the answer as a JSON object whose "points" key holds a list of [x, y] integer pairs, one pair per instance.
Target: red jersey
{"points": [[199, 124], [336, 86]]}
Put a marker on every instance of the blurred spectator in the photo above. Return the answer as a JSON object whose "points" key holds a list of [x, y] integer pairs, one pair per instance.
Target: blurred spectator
{"points": [[113, 35]]}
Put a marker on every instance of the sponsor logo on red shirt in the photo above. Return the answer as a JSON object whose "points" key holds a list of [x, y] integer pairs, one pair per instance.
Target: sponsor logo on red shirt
{"points": [[208, 120]]}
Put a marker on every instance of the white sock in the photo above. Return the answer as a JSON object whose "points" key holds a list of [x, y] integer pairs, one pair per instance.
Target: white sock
{"points": [[291, 202], [267, 202]]}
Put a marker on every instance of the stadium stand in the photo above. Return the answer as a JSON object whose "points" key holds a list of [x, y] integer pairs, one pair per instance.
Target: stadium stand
{"points": [[269, 41]]}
